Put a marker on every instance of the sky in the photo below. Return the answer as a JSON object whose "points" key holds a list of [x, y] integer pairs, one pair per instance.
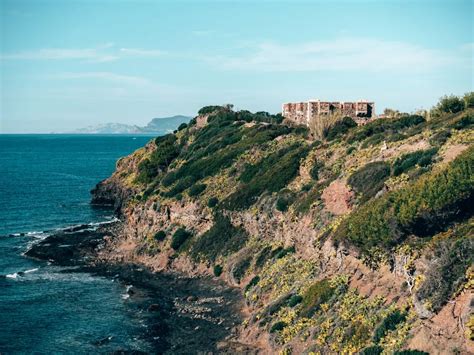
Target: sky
{"points": [[70, 64]]}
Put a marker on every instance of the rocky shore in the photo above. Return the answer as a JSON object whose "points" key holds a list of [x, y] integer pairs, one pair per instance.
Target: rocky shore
{"points": [[183, 314]]}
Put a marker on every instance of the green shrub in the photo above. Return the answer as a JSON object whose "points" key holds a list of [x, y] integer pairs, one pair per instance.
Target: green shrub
{"points": [[294, 300], [263, 256], [179, 237], [259, 168], [282, 204], [196, 189], [210, 109], [466, 121], [221, 239], [275, 306], [215, 147], [372, 350], [314, 172], [374, 140], [340, 128], [168, 179], [452, 256], [369, 179], [395, 137], [271, 174], [255, 280], [350, 149], [212, 202], [389, 323], [305, 201], [182, 126], [387, 126], [217, 270], [278, 326], [469, 99], [284, 252], [423, 208], [410, 352], [320, 292], [241, 268], [160, 236], [440, 138], [302, 130], [166, 151], [285, 199], [179, 187], [408, 161], [450, 104]]}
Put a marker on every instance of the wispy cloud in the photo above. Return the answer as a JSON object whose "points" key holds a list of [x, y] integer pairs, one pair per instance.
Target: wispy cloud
{"points": [[139, 52], [341, 54], [104, 53], [61, 54], [107, 76], [116, 85]]}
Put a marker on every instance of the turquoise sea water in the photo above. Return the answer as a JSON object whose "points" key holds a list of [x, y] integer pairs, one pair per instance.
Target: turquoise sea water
{"points": [[44, 185]]}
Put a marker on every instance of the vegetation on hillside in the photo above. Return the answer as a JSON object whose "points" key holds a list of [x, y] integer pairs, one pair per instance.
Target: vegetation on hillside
{"points": [[260, 189]]}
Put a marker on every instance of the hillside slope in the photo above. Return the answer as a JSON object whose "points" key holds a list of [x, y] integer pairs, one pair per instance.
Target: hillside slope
{"points": [[362, 241]]}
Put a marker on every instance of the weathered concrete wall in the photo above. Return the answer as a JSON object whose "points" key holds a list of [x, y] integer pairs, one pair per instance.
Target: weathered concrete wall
{"points": [[305, 112]]}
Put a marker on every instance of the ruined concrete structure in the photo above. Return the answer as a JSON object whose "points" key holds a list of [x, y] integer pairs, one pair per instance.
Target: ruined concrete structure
{"points": [[303, 112]]}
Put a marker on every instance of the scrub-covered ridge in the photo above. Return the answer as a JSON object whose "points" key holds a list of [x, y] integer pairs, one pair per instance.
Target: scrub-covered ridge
{"points": [[342, 239]]}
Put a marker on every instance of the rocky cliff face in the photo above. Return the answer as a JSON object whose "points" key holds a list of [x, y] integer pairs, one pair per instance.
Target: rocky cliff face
{"points": [[263, 207]]}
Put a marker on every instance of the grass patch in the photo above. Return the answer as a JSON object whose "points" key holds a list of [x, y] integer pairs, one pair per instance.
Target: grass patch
{"points": [[320, 292], [221, 239], [196, 190], [369, 179], [269, 175], [407, 161], [389, 323], [452, 255], [278, 326]]}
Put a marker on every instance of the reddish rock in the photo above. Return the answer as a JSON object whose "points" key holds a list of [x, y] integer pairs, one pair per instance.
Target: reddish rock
{"points": [[338, 197]]}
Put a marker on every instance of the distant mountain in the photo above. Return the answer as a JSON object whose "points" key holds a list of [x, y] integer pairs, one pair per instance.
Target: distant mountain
{"points": [[156, 125], [165, 124], [109, 128]]}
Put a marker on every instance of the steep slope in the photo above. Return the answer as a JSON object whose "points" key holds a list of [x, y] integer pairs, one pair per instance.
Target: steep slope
{"points": [[362, 241]]}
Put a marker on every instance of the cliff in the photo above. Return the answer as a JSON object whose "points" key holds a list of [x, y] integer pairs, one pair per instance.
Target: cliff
{"points": [[360, 242]]}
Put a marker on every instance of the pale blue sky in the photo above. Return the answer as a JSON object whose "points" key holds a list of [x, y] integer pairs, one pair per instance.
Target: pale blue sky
{"points": [[69, 64]]}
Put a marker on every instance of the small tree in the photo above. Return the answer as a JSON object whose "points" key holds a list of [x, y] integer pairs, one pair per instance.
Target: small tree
{"points": [[450, 104], [391, 113], [160, 236], [179, 237], [321, 124], [469, 99]]}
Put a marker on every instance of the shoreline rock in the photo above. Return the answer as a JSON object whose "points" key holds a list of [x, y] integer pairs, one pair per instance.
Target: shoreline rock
{"points": [[183, 314]]}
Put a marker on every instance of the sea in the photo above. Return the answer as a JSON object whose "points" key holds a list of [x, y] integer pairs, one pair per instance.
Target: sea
{"points": [[45, 183]]}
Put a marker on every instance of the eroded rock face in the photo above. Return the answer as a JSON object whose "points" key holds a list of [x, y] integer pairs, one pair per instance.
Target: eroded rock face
{"points": [[338, 198], [145, 219], [446, 331], [453, 151], [201, 120]]}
